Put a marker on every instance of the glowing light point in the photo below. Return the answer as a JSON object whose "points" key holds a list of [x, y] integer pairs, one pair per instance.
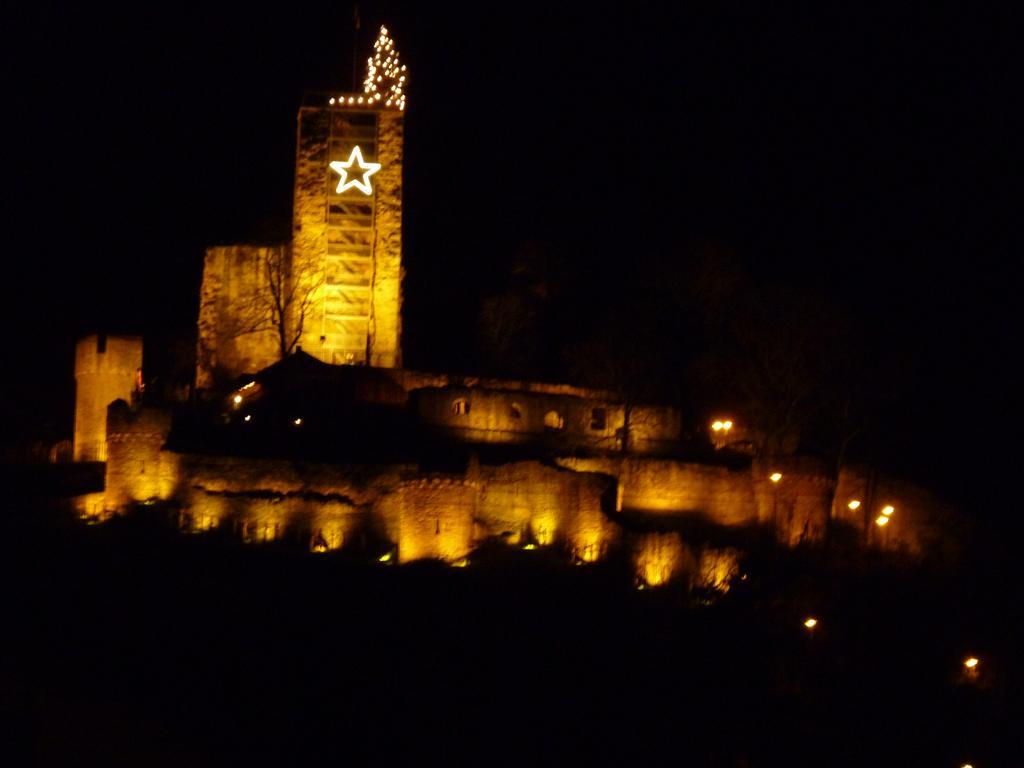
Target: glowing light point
{"points": [[362, 169], [971, 662], [888, 509], [881, 521], [237, 399], [854, 504], [775, 477], [248, 417], [811, 623], [297, 422]]}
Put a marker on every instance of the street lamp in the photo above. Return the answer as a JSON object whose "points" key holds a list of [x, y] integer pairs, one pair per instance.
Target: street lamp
{"points": [[888, 509], [811, 622], [775, 477], [854, 505], [972, 668]]}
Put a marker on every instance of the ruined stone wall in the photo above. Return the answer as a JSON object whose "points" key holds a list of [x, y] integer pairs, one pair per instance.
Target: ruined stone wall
{"points": [[722, 495], [235, 334], [797, 506], [495, 416], [482, 414], [431, 517], [525, 503], [653, 429], [531, 502], [660, 557], [320, 505], [106, 368]]}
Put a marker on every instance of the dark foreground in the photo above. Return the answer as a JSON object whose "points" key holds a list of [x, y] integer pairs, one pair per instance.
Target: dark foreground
{"points": [[130, 645]]}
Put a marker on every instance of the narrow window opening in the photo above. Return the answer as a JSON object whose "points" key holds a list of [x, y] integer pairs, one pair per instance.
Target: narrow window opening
{"points": [[598, 419]]}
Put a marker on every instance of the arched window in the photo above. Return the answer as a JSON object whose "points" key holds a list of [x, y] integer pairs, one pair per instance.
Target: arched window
{"points": [[515, 411], [553, 421], [460, 407]]}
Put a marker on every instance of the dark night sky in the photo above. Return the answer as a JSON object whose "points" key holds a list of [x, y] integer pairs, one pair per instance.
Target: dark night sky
{"points": [[863, 151]]}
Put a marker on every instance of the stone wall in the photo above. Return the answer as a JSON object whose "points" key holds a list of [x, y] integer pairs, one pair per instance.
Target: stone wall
{"points": [[488, 414], [528, 503], [431, 517], [106, 369], [721, 495], [234, 331], [479, 415], [797, 506]]}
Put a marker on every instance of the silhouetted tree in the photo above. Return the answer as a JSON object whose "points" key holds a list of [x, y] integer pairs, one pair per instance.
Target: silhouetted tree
{"points": [[515, 333], [277, 301]]}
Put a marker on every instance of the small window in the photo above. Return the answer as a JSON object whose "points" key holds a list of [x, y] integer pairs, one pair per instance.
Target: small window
{"points": [[515, 411], [553, 421], [460, 407], [598, 419]]}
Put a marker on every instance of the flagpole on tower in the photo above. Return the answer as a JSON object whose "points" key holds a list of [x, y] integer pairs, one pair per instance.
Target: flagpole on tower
{"points": [[355, 42]]}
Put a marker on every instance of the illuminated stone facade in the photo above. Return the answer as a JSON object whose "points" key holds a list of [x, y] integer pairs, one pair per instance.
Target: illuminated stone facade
{"points": [[234, 331], [107, 368], [342, 272], [644, 506], [581, 471]]}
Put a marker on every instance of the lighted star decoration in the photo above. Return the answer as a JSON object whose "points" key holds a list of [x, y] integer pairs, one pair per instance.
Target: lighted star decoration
{"points": [[355, 172]]}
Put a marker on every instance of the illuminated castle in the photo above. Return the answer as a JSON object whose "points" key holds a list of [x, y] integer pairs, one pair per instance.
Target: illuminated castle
{"points": [[314, 432], [336, 290]]}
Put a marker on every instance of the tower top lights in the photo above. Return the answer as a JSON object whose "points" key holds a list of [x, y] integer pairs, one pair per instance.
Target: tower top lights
{"points": [[385, 75]]}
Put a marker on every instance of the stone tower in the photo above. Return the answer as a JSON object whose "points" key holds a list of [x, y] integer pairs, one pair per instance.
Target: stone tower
{"points": [[107, 368], [347, 226], [343, 268]]}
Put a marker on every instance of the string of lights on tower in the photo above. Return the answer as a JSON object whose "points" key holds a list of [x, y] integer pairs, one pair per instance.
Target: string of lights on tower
{"points": [[385, 75]]}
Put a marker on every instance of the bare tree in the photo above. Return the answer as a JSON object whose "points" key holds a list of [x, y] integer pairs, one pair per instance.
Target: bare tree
{"points": [[259, 316], [288, 298]]}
